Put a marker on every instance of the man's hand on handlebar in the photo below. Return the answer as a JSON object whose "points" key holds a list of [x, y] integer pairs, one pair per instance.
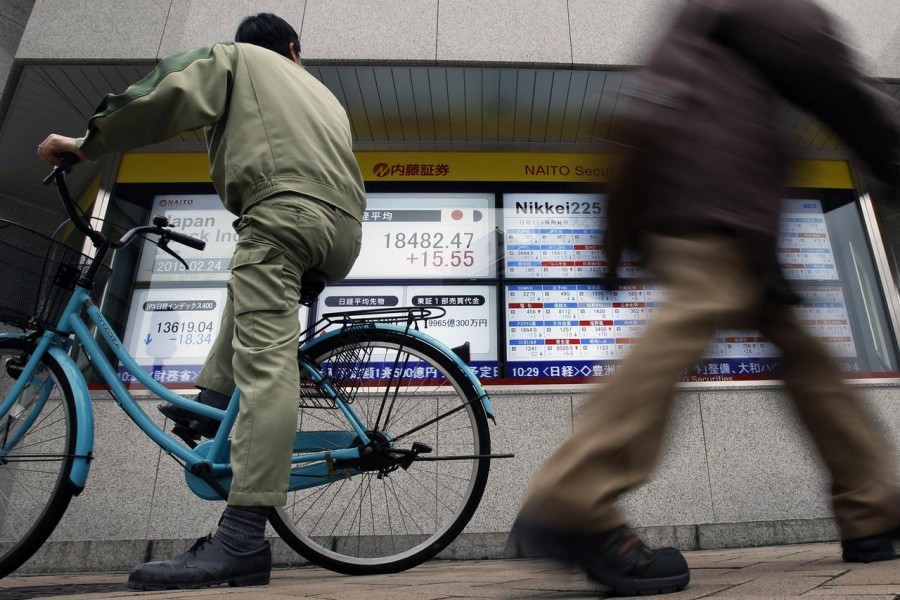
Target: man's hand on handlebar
{"points": [[52, 149]]}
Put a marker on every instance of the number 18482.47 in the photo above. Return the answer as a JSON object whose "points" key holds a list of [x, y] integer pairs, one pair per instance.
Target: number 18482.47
{"points": [[425, 240]]}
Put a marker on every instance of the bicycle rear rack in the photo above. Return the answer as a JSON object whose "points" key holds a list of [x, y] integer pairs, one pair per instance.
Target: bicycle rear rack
{"points": [[355, 327], [396, 315], [409, 316]]}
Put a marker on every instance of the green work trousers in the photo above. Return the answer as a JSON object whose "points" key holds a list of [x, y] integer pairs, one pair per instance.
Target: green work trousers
{"points": [[618, 438], [256, 349]]}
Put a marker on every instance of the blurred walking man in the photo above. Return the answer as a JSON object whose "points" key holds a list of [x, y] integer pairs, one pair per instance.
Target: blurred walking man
{"points": [[700, 198]]}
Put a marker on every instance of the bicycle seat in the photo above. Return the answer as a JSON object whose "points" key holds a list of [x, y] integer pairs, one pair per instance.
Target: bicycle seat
{"points": [[311, 285]]}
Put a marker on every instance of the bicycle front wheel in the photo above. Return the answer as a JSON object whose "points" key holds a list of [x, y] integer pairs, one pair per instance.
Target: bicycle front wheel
{"points": [[37, 443], [409, 395]]}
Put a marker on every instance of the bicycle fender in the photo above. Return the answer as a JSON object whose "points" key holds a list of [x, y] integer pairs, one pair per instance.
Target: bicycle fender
{"points": [[84, 418], [440, 346], [482, 395]]}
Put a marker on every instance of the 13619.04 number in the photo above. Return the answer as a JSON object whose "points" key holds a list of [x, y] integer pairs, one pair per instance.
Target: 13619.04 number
{"points": [[184, 327]]}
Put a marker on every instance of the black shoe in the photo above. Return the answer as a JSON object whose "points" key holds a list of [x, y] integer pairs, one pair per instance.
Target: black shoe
{"points": [[873, 548], [197, 425], [207, 563], [616, 559]]}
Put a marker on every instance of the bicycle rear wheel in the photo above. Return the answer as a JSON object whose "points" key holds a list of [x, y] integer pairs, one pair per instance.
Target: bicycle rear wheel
{"points": [[37, 443], [406, 391]]}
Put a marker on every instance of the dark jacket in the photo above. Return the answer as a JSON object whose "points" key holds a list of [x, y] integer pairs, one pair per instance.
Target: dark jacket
{"points": [[705, 118]]}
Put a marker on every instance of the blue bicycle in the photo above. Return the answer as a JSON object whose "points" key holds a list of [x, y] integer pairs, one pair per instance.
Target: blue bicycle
{"points": [[392, 450]]}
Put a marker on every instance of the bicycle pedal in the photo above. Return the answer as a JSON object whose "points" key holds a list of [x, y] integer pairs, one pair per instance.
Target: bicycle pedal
{"points": [[204, 429], [187, 435]]}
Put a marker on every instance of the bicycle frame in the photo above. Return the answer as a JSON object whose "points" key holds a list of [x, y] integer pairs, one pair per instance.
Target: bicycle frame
{"points": [[212, 455]]}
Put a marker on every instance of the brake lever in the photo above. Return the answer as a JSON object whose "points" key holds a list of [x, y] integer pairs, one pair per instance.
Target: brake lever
{"points": [[52, 176], [163, 244], [66, 162]]}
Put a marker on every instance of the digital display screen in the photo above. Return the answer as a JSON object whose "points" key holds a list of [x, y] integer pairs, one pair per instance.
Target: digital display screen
{"points": [[431, 249], [804, 247], [558, 236], [427, 236], [170, 331], [471, 314], [199, 216], [580, 330]]}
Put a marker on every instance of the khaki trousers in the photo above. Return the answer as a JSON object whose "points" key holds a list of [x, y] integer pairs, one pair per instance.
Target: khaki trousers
{"points": [[617, 442], [256, 349]]}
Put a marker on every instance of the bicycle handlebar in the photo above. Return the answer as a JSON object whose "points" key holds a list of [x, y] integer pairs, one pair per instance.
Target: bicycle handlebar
{"points": [[186, 240], [58, 176], [159, 227]]}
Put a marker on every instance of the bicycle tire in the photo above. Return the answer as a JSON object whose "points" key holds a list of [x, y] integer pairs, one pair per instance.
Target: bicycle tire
{"points": [[27, 518], [446, 493]]}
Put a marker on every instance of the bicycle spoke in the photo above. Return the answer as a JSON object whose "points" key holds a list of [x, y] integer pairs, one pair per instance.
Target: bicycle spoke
{"points": [[430, 422], [21, 470], [333, 421], [41, 423], [404, 509], [388, 515], [359, 513], [349, 502], [432, 493]]}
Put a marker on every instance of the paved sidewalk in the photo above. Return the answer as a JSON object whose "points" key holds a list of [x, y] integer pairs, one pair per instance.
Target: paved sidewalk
{"points": [[775, 572]]}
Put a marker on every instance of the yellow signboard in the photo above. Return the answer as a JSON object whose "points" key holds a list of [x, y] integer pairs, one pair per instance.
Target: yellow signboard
{"points": [[486, 166], [460, 166]]}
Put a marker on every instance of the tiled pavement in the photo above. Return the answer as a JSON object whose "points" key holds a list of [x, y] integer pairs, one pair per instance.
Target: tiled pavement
{"points": [[774, 572]]}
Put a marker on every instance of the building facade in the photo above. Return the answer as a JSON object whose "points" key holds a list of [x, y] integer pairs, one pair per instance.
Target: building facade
{"points": [[490, 114]]}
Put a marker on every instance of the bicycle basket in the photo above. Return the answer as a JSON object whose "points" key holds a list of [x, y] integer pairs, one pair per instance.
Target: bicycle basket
{"points": [[39, 275], [313, 396], [347, 369]]}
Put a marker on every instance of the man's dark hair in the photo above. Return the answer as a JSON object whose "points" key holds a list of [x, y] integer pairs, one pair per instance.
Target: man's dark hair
{"points": [[269, 31]]}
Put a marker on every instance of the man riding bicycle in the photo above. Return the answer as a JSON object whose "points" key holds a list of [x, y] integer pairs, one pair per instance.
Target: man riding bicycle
{"points": [[280, 156]]}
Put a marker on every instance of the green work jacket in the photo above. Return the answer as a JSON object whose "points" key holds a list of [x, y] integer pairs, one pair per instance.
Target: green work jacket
{"points": [[270, 126]]}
